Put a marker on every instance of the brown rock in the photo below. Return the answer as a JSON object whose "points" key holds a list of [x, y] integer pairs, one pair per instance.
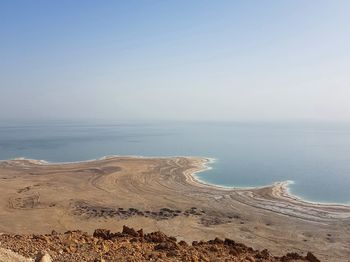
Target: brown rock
{"points": [[216, 241], [213, 249], [229, 242], [250, 259], [194, 258], [43, 257], [102, 233], [172, 253], [311, 257], [166, 246], [290, 256], [234, 252], [133, 240], [130, 231], [156, 237], [172, 239], [140, 232], [263, 254], [183, 243]]}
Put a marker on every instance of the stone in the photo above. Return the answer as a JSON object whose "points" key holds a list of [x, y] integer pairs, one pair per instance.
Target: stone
{"points": [[311, 257], [156, 237], [102, 233], [43, 257], [140, 232], [250, 259], [166, 246], [130, 231], [229, 242]]}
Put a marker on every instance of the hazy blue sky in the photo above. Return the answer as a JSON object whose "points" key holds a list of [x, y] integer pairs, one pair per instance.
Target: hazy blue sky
{"points": [[202, 60]]}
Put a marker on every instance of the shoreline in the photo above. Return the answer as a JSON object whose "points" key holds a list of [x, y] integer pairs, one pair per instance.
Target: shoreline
{"points": [[281, 187], [165, 194]]}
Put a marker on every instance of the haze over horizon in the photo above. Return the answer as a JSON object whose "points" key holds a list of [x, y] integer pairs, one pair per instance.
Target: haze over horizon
{"points": [[175, 60]]}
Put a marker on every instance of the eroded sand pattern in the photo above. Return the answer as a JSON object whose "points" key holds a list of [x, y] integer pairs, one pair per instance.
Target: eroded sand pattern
{"points": [[161, 194]]}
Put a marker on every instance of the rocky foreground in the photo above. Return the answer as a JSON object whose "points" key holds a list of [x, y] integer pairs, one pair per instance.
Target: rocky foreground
{"points": [[132, 245]]}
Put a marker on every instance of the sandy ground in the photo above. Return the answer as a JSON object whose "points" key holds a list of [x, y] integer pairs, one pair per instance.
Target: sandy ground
{"points": [[161, 194]]}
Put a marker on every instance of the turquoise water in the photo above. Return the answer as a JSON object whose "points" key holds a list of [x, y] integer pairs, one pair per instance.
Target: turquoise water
{"points": [[316, 156]]}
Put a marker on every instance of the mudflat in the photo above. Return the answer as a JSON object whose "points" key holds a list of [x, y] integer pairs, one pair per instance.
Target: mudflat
{"points": [[162, 194]]}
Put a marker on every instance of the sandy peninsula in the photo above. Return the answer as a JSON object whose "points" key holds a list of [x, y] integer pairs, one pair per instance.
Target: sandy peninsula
{"points": [[164, 194]]}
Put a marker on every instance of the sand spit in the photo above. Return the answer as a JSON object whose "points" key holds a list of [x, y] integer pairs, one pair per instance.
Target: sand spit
{"points": [[164, 194]]}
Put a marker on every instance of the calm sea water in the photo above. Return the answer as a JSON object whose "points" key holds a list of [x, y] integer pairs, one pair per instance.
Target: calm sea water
{"points": [[316, 156]]}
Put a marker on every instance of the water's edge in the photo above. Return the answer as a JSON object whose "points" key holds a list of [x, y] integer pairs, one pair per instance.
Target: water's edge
{"points": [[195, 175]]}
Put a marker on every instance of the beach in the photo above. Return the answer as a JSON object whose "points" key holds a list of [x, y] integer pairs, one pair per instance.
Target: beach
{"points": [[164, 193]]}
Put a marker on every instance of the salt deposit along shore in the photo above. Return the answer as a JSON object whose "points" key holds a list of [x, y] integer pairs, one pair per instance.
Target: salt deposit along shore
{"points": [[164, 194]]}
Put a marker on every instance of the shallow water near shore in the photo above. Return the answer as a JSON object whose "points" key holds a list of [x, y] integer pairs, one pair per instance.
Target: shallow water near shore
{"points": [[315, 156]]}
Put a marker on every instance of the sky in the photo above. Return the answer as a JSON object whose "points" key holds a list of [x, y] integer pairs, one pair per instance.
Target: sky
{"points": [[175, 60]]}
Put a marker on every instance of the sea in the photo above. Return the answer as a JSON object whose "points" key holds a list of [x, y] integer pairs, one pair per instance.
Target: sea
{"points": [[315, 156]]}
